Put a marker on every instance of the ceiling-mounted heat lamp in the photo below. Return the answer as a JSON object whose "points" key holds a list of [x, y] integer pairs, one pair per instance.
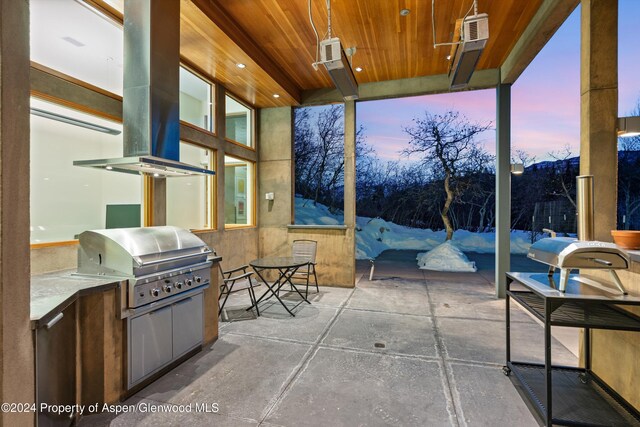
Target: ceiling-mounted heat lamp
{"points": [[628, 126], [470, 38], [333, 57]]}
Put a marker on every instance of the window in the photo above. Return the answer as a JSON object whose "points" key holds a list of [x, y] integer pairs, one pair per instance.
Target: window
{"points": [[67, 200], [190, 199], [239, 122], [196, 106], [319, 165], [71, 38], [238, 191]]}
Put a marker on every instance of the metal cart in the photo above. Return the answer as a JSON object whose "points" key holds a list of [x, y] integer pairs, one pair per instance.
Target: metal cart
{"points": [[563, 395]]}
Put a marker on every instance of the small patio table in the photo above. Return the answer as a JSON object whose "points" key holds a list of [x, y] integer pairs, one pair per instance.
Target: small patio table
{"points": [[286, 267]]}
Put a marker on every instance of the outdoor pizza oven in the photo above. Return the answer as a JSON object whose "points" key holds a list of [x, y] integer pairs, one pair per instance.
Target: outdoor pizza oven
{"points": [[569, 254]]}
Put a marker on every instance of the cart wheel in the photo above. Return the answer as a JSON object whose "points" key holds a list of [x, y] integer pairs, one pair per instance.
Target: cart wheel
{"points": [[506, 370], [584, 377]]}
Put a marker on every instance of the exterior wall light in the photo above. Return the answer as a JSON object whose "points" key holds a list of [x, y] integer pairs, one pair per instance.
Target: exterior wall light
{"points": [[628, 126], [517, 168]]}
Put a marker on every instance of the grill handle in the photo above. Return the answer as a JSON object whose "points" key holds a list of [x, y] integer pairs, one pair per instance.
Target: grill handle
{"points": [[175, 258], [602, 262]]}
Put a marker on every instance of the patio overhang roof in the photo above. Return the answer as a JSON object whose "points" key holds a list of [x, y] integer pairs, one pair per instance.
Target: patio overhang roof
{"points": [[275, 41]]}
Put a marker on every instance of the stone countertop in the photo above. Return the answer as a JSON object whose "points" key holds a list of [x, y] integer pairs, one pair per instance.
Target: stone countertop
{"points": [[634, 255], [53, 292]]}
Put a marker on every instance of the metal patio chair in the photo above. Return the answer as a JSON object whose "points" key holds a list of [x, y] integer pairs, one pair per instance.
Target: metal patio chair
{"points": [[306, 249], [236, 283]]}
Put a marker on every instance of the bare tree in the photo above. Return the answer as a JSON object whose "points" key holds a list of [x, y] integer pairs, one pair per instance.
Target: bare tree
{"points": [[447, 143], [564, 173], [319, 154]]}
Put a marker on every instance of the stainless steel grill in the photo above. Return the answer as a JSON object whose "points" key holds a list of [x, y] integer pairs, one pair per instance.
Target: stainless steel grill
{"points": [[569, 254], [158, 261], [167, 271]]}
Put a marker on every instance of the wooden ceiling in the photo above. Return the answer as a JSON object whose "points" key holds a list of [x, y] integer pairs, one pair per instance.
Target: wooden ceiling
{"points": [[275, 40]]}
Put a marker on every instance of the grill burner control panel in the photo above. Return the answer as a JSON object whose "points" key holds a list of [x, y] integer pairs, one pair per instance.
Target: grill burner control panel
{"points": [[163, 286]]}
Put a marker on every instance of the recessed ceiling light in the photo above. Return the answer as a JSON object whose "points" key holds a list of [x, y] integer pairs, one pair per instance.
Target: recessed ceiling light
{"points": [[275, 95], [405, 12], [241, 65], [358, 69], [156, 175], [109, 168]]}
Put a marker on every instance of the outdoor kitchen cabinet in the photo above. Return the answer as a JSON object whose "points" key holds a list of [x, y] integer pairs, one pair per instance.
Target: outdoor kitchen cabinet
{"points": [[563, 395], [55, 344], [163, 335]]}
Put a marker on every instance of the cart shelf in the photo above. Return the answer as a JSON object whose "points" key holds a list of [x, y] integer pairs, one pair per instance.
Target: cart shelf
{"points": [[580, 314]]}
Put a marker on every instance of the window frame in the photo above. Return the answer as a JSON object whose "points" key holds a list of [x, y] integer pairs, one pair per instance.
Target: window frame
{"points": [[212, 93], [252, 115], [253, 196], [212, 194]]}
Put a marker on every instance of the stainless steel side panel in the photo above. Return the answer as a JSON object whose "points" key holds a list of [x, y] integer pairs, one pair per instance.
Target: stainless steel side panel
{"points": [[150, 343], [188, 325]]}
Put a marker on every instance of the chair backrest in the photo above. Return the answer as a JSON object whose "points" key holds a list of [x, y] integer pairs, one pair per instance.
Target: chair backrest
{"points": [[304, 248], [219, 265]]}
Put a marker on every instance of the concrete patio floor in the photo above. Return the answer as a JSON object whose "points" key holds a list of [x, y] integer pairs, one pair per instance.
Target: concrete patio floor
{"points": [[413, 349]]}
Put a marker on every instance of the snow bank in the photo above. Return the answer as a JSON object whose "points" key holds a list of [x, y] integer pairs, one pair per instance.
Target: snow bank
{"points": [[375, 235], [446, 257], [318, 214]]}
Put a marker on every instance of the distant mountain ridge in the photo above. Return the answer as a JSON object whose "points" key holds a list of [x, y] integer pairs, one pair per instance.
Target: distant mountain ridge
{"points": [[630, 156]]}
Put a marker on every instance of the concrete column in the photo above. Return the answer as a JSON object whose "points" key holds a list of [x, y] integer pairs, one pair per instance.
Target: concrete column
{"points": [[350, 163], [159, 201], [599, 108], [350, 181], [503, 187], [16, 341], [275, 175]]}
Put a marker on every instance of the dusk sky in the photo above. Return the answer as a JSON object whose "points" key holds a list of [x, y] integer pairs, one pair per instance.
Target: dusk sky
{"points": [[545, 99]]}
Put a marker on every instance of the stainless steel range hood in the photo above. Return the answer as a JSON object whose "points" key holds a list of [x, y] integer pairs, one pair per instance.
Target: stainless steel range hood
{"points": [[151, 93]]}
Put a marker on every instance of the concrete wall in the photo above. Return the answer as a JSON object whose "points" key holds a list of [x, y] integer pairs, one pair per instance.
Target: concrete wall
{"points": [[615, 354], [336, 245]]}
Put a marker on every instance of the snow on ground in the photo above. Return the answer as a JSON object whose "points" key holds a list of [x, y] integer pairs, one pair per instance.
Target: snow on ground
{"points": [[446, 257], [308, 213], [375, 235]]}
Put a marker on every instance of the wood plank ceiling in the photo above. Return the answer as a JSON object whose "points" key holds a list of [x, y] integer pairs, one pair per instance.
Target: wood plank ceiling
{"points": [[276, 42]]}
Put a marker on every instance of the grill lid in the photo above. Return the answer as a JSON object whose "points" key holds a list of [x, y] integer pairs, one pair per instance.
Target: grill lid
{"points": [[134, 252]]}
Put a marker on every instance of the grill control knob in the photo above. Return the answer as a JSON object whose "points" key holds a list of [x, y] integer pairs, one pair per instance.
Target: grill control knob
{"points": [[189, 282], [155, 292], [178, 285], [198, 279], [168, 288]]}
